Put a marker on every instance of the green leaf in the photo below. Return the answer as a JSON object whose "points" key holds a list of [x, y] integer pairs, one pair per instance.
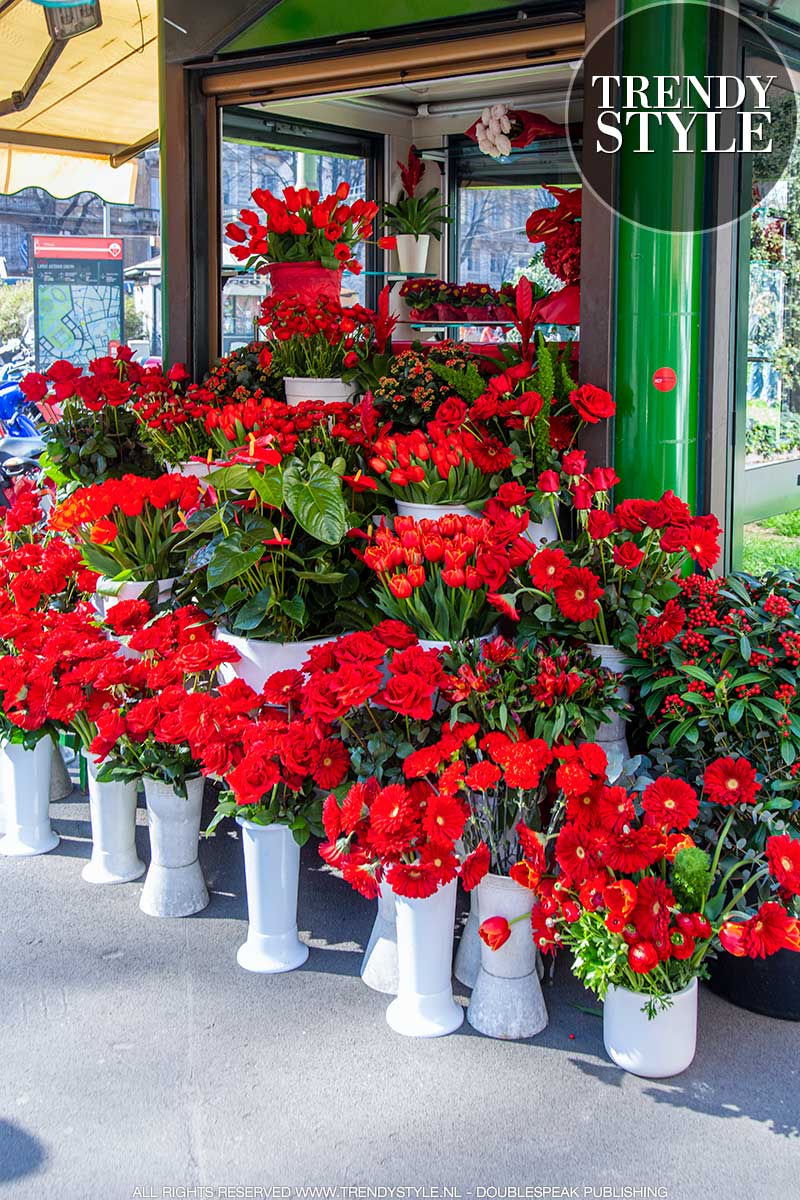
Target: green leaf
{"points": [[268, 485], [231, 560], [294, 608], [788, 753], [313, 495], [735, 712], [251, 614]]}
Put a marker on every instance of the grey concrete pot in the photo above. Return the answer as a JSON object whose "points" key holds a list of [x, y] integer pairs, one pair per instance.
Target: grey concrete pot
{"points": [[507, 1000]]}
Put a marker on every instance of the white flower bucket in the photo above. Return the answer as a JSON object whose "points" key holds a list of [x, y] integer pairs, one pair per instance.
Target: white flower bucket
{"points": [[543, 532], [412, 252], [654, 1048], [259, 659], [468, 953], [25, 787], [300, 388], [379, 967], [424, 1006], [105, 598], [272, 874], [192, 468], [112, 807], [174, 886], [611, 735], [432, 512], [507, 1000]]}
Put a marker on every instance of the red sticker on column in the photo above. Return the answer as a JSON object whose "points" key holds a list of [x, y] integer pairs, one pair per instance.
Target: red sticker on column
{"points": [[664, 379]]}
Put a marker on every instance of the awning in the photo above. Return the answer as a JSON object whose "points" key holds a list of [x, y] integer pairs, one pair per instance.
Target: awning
{"points": [[72, 117]]}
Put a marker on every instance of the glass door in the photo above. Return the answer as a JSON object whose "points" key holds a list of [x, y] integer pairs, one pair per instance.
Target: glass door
{"points": [[766, 491]]}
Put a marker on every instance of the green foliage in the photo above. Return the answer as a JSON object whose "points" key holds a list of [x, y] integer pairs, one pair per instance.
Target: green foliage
{"points": [[16, 306], [417, 215], [691, 878], [134, 326], [468, 383]]}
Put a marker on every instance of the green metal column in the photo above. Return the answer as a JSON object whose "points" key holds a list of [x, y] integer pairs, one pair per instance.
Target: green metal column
{"points": [[659, 274]]}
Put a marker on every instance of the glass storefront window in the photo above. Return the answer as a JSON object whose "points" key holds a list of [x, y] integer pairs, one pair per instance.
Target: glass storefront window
{"points": [[773, 319]]}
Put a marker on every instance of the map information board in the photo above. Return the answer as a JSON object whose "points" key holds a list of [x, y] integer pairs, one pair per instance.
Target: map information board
{"points": [[77, 297]]}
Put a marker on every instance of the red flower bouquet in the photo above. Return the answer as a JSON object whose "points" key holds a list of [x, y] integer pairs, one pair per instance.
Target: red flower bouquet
{"points": [[302, 227], [92, 432], [634, 896], [442, 466], [318, 340], [131, 528], [405, 835], [443, 577]]}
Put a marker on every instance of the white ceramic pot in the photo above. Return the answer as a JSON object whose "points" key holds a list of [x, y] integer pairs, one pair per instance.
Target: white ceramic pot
{"points": [[60, 781], [432, 512], [412, 252], [424, 1006], [653, 1048], [260, 659], [543, 532], [109, 592], [112, 807], [174, 886], [507, 1000], [611, 735], [25, 787], [300, 388], [379, 968], [198, 470], [468, 954], [432, 644], [272, 874]]}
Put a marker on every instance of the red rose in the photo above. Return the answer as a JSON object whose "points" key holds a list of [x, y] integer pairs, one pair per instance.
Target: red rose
{"points": [[600, 524], [574, 463], [592, 403], [628, 556], [549, 481]]}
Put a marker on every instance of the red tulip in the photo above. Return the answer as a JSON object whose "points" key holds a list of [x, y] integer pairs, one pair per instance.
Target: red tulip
{"points": [[495, 932]]}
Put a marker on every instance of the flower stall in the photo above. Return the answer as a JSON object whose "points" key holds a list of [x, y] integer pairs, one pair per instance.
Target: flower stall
{"points": [[377, 600]]}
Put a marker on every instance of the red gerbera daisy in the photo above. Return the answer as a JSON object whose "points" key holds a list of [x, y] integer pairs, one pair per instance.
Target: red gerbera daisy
{"points": [[783, 856], [770, 930], [444, 818], [333, 765], [391, 811], [547, 569], [416, 881], [615, 808], [731, 781], [576, 854], [475, 866], [631, 850], [577, 594], [653, 904], [670, 803]]}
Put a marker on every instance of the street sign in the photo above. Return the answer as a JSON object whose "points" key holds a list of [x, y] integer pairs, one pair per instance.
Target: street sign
{"points": [[77, 297]]}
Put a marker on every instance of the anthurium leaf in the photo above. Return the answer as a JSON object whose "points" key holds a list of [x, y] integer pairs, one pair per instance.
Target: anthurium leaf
{"points": [[313, 495], [294, 608], [251, 614], [231, 560], [268, 485]]}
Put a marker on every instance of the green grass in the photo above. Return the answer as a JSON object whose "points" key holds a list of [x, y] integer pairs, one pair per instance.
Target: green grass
{"points": [[774, 542]]}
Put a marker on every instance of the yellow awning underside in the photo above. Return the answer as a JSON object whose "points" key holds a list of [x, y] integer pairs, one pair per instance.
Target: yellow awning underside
{"points": [[100, 99]]}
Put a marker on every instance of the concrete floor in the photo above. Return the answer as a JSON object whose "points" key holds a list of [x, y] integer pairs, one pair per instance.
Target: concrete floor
{"points": [[136, 1058]]}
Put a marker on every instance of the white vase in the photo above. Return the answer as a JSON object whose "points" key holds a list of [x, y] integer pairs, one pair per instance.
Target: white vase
{"points": [[412, 252], [300, 388], [433, 644], [110, 592], [424, 1006], [112, 807], [272, 874], [468, 953], [25, 786], [611, 734], [432, 512], [653, 1048], [174, 886], [60, 781], [259, 659], [543, 532], [190, 467], [507, 1000], [379, 967]]}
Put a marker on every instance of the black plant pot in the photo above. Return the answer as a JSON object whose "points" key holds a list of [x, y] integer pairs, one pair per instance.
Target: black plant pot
{"points": [[764, 985]]}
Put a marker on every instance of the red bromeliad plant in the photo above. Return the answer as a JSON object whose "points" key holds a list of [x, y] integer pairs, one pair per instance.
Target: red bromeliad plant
{"points": [[302, 226], [413, 213], [621, 567], [635, 898], [316, 340], [406, 835], [444, 578], [131, 528]]}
